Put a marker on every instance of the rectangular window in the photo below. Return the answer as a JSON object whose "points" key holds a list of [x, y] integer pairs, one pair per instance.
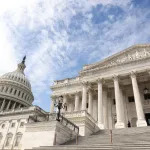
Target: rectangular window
{"points": [[13, 125], [8, 141], [131, 99], [18, 139], [21, 124]]}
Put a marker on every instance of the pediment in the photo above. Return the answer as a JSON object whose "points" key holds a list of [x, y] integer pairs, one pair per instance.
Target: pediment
{"points": [[131, 54]]}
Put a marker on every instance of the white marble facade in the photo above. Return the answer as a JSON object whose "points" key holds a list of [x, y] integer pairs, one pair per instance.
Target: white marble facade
{"points": [[111, 91]]}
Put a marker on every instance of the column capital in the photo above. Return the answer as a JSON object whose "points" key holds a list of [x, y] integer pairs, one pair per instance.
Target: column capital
{"points": [[100, 80], [90, 89], [53, 97], [65, 94], [133, 74], [77, 92], [115, 77], [84, 83]]}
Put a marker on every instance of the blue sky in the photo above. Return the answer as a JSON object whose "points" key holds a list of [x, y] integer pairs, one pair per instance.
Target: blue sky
{"points": [[60, 37]]}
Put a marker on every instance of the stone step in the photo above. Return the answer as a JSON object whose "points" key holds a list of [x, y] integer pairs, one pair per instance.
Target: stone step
{"points": [[99, 146]]}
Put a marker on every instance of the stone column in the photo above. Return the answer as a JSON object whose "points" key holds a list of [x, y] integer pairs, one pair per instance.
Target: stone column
{"points": [[77, 101], [3, 105], [138, 104], [14, 105], [52, 106], [100, 105], [84, 95], [120, 114], [105, 109], [8, 105], [90, 108]]}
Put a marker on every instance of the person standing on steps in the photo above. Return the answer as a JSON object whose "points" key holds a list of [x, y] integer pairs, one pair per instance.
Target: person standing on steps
{"points": [[129, 124]]}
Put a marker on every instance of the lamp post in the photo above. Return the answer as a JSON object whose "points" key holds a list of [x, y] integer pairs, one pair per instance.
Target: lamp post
{"points": [[59, 105], [146, 90]]}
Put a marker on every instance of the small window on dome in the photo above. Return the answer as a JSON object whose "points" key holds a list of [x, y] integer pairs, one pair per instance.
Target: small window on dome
{"points": [[2, 89], [22, 95], [11, 90], [6, 89], [19, 93], [15, 92]]}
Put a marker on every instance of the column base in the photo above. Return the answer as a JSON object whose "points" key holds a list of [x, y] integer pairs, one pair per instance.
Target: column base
{"points": [[100, 125], [120, 125], [141, 123]]}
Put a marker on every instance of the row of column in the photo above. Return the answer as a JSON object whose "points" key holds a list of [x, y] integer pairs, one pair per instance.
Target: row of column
{"points": [[102, 102], [13, 106], [119, 103]]}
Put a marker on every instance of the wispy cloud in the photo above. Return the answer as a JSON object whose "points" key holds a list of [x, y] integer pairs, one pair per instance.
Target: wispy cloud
{"points": [[59, 37]]}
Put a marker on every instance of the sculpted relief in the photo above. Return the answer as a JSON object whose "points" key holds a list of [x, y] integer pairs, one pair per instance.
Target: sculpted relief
{"points": [[136, 55]]}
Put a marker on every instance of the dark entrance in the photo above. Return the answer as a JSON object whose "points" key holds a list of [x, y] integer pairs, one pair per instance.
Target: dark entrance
{"points": [[147, 116]]}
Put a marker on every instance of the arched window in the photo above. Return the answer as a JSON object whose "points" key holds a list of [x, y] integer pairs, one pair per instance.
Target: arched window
{"points": [[1, 137], [18, 138], [8, 139], [3, 126]]}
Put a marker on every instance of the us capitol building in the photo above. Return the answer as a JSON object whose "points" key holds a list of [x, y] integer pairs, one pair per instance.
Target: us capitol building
{"points": [[110, 95]]}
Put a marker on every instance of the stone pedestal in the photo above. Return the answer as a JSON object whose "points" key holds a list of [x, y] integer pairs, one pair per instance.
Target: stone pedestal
{"points": [[85, 122], [46, 134]]}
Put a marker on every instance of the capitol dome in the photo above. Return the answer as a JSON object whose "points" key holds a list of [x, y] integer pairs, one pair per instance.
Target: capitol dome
{"points": [[15, 89]]}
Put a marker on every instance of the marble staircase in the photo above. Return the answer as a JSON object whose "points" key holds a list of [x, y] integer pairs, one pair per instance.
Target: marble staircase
{"points": [[122, 139]]}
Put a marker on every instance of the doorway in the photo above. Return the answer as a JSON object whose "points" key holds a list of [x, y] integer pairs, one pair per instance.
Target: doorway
{"points": [[147, 116]]}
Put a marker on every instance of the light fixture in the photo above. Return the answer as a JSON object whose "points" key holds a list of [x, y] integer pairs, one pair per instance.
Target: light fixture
{"points": [[146, 90]]}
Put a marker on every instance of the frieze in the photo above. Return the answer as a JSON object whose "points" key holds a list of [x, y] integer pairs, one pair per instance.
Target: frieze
{"points": [[131, 54], [143, 53]]}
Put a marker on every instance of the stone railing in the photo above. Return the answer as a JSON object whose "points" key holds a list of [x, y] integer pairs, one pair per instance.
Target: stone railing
{"points": [[22, 110], [53, 116], [64, 121], [68, 80], [81, 113]]}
